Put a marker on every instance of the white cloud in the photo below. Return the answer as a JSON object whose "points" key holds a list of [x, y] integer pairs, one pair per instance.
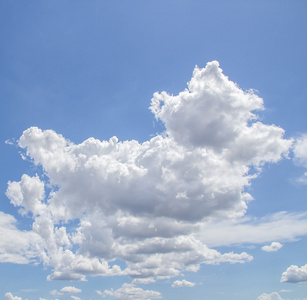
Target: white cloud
{"points": [[149, 204], [300, 155], [183, 283], [70, 290], [16, 246], [295, 274], [75, 298], [54, 292], [143, 280], [214, 113], [9, 296], [275, 246], [129, 291], [281, 226], [28, 194], [272, 296]]}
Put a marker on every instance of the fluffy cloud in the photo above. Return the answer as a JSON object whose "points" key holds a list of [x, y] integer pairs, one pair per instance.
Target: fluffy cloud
{"points": [[183, 283], [70, 290], [272, 296], [275, 246], [9, 296], [129, 291], [148, 204], [27, 194], [295, 274]]}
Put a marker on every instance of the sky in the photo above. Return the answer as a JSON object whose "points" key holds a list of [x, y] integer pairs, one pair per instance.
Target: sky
{"points": [[153, 150]]}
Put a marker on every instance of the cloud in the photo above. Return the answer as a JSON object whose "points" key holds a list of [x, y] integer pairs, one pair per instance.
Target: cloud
{"points": [[16, 246], [183, 283], [281, 226], [215, 114], [129, 291], [27, 194], [272, 296], [150, 204], [300, 155], [75, 298], [295, 274], [66, 290], [9, 296], [70, 290], [275, 246]]}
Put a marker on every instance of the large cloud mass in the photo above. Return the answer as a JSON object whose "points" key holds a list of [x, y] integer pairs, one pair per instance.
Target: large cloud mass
{"points": [[144, 203]]}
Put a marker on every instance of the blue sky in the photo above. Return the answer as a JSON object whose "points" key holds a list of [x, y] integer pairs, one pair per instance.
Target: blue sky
{"points": [[164, 211]]}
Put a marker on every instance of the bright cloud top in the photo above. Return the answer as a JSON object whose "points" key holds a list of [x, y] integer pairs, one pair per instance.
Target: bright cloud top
{"points": [[144, 203]]}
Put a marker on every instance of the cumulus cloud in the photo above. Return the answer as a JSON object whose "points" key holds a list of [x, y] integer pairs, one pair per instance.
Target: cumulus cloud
{"points": [[148, 204], [129, 291], [183, 283], [75, 298], [295, 274], [275, 246], [9, 296], [70, 290], [272, 296], [27, 194]]}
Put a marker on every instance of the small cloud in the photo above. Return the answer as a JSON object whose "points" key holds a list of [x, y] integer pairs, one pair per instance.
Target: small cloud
{"points": [[70, 290], [9, 296], [54, 292], [300, 156], [275, 246], [272, 296], [143, 280], [10, 142], [183, 283], [129, 291], [295, 274], [285, 291]]}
